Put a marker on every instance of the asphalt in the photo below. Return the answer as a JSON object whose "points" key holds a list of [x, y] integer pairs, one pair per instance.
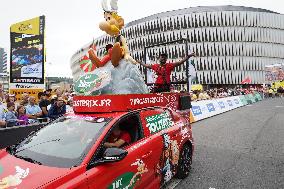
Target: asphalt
{"points": [[243, 148]]}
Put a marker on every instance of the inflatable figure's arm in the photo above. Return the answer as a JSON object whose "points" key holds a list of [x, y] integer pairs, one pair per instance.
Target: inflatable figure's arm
{"points": [[95, 60], [124, 45]]}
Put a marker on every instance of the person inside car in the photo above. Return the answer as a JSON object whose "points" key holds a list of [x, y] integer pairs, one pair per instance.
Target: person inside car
{"points": [[118, 139]]}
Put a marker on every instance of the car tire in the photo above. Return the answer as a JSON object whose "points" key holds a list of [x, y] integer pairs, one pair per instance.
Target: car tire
{"points": [[184, 163]]}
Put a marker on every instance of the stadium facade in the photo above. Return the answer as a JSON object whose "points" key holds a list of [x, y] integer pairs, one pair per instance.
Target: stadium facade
{"points": [[232, 42]]}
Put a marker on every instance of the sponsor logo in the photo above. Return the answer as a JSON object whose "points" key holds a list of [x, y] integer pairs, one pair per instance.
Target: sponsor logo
{"points": [[236, 101], [221, 104], [151, 100], [196, 110], [16, 179], [18, 86], [92, 82], [122, 181], [25, 27], [230, 102], [159, 122], [30, 70], [26, 80], [210, 107], [34, 70], [92, 103], [41, 25]]}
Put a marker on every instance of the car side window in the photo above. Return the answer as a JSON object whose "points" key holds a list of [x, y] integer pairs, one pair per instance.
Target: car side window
{"points": [[130, 130]]}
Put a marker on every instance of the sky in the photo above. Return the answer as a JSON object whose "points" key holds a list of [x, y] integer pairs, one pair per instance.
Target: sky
{"points": [[70, 24]]}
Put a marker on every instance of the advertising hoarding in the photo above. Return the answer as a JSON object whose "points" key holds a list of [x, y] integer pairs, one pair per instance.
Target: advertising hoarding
{"points": [[27, 57]]}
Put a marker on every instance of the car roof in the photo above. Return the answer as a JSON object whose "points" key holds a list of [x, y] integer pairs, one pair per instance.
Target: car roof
{"points": [[105, 115]]}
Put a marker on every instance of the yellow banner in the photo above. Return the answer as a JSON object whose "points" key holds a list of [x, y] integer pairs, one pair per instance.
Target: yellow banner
{"points": [[19, 92], [277, 84], [27, 27], [197, 87]]}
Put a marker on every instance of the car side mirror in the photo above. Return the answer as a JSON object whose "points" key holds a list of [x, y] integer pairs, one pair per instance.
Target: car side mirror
{"points": [[110, 155], [114, 154]]}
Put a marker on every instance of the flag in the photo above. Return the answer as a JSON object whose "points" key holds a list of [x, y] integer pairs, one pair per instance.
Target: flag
{"points": [[247, 80], [86, 64], [192, 71], [151, 75]]}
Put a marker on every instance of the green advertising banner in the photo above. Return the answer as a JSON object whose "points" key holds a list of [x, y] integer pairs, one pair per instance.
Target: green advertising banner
{"points": [[123, 181], [159, 122], [243, 100], [258, 96], [249, 101], [251, 97]]}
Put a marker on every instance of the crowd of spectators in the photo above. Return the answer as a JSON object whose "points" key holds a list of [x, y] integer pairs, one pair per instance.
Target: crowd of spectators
{"points": [[215, 93], [274, 92], [50, 105]]}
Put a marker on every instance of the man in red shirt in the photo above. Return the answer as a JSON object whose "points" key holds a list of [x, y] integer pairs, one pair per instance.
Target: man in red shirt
{"points": [[163, 71], [118, 138]]}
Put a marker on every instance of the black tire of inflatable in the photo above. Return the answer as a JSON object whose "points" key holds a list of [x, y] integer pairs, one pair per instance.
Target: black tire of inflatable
{"points": [[184, 163]]}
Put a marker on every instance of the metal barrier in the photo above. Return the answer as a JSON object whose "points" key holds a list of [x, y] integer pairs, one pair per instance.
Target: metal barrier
{"points": [[13, 135]]}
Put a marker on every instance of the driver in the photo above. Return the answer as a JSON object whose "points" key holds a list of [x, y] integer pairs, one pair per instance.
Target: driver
{"points": [[118, 138]]}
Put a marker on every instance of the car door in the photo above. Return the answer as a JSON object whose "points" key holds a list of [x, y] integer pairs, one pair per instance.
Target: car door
{"points": [[159, 126], [133, 171]]}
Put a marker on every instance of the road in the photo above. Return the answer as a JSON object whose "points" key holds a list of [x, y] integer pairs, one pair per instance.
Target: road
{"points": [[243, 148]]}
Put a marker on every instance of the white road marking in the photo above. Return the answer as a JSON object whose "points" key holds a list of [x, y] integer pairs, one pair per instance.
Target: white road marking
{"points": [[249, 105], [173, 183], [279, 106]]}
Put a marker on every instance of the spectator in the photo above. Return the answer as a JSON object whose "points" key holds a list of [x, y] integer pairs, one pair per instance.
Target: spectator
{"points": [[43, 103], [52, 101], [33, 110], [12, 98], [193, 96], [3, 112], [200, 96], [1, 91], [57, 109], [58, 92], [11, 117], [69, 106], [25, 99], [22, 116], [48, 93]]}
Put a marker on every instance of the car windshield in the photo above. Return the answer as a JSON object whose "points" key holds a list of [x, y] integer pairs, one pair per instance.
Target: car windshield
{"points": [[63, 143]]}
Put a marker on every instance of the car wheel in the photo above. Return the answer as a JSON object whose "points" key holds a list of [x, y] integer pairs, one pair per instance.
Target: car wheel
{"points": [[184, 163]]}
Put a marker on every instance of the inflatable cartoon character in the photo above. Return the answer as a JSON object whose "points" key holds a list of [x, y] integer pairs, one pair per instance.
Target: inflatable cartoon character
{"points": [[141, 169], [112, 25], [14, 180], [174, 154], [164, 167]]}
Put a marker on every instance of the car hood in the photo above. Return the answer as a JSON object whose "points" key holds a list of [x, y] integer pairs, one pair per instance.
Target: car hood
{"points": [[18, 173]]}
